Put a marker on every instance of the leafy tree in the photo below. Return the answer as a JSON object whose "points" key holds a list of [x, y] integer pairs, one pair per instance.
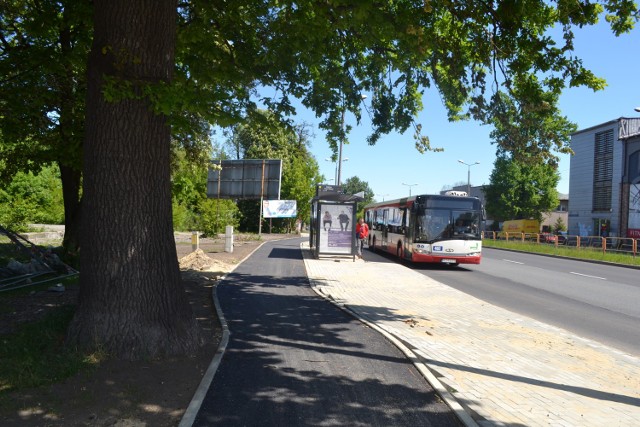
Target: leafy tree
{"points": [[300, 175], [44, 47], [264, 137], [216, 215], [520, 190], [192, 210], [355, 185], [559, 226], [43, 52], [32, 198], [490, 61]]}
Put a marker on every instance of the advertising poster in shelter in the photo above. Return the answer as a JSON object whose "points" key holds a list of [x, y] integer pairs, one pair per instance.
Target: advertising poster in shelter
{"points": [[337, 228]]}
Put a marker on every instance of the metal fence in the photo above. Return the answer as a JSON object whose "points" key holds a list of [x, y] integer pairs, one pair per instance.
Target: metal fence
{"points": [[625, 245]]}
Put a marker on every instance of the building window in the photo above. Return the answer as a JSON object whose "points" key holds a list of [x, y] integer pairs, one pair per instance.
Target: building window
{"points": [[602, 170]]}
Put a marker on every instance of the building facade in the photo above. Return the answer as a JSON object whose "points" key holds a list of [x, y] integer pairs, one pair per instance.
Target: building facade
{"points": [[604, 180], [559, 215]]}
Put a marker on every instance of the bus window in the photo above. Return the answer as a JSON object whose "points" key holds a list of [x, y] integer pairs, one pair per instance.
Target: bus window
{"points": [[433, 224], [395, 220], [466, 223]]}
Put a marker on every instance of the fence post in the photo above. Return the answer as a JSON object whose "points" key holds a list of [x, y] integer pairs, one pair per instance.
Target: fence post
{"points": [[604, 245]]}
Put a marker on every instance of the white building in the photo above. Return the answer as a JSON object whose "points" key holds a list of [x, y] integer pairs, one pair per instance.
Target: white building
{"points": [[604, 180]]}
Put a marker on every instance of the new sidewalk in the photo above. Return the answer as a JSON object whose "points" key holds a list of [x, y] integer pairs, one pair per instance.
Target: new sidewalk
{"points": [[503, 368]]}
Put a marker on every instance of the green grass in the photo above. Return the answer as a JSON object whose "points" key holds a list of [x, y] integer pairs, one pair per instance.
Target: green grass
{"points": [[593, 254], [35, 355]]}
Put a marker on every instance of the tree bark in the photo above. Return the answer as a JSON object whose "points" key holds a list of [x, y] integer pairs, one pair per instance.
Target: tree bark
{"points": [[70, 179], [132, 303]]}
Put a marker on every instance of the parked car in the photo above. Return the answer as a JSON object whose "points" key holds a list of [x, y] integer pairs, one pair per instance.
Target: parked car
{"points": [[561, 237], [547, 238]]}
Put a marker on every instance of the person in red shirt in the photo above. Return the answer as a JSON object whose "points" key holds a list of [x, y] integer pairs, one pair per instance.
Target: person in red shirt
{"points": [[362, 232]]}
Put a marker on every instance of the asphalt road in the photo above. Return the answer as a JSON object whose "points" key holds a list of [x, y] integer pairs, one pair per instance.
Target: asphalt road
{"points": [[294, 359], [595, 301]]}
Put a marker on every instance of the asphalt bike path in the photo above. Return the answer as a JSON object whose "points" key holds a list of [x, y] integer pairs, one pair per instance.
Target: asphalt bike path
{"points": [[295, 359]]}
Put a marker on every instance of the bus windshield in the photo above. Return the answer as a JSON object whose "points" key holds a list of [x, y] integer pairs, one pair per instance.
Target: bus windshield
{"points": [[445, 224]]}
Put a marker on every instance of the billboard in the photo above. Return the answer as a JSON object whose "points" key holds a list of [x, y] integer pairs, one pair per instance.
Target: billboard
{"points": [[279, 209], [244, 179]]}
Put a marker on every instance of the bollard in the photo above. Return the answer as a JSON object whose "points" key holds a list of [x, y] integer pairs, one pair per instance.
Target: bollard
{"points": [[228, 239], [195, 241]]}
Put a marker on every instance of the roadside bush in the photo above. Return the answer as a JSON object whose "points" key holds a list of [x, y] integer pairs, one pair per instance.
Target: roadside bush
{"points": [[216, 214], [32, 198]]}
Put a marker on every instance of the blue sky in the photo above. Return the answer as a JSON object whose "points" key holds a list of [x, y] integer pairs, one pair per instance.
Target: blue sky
{"points": [[394, 159]]}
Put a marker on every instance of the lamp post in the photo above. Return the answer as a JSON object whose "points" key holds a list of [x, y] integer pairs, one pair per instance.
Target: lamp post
{"points": [[637, 109], [335, 179], [409, 185], [382, 195], [339, 166], [468, 174]]}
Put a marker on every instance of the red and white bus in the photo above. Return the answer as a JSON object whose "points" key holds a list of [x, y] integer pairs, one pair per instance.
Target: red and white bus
{"points": [[428, 228]]}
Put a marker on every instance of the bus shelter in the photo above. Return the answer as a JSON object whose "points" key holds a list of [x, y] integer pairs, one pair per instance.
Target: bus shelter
{"points": [[333, 222]]}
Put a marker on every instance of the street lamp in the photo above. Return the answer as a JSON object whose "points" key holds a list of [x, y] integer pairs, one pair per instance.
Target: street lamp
{"points": [[637, 109], [409, 185], [468, 174], [328, 159], [382, 195], [339, 165]]}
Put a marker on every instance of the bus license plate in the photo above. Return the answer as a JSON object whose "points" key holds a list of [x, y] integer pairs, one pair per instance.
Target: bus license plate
{"points": [[448, 261]]}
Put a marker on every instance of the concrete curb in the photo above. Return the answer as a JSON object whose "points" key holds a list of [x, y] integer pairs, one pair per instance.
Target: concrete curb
{"points": [[196, 401], [424, 370]]}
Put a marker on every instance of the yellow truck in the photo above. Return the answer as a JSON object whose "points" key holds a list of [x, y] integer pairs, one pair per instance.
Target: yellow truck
{"points": [[527, 226]]}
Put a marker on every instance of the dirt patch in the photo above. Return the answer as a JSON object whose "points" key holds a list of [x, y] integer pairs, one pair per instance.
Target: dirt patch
{"points": [[129, 394]]}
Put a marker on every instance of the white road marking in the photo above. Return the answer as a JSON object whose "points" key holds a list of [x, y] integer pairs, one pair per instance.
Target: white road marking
{"points": [[587, 275], [515, 262]]}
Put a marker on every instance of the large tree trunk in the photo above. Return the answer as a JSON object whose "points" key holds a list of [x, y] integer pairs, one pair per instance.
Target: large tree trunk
{"points": [[132, 303], [70, 133], [71, 178]]}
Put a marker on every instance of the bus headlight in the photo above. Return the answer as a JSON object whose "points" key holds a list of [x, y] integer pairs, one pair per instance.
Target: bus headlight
{"points": [[421, 249]]}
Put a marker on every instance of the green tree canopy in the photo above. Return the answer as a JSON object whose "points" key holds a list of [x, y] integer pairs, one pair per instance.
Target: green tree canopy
{"points": [[355, 185], [521, 190], [265, 137], [495, 62]]}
